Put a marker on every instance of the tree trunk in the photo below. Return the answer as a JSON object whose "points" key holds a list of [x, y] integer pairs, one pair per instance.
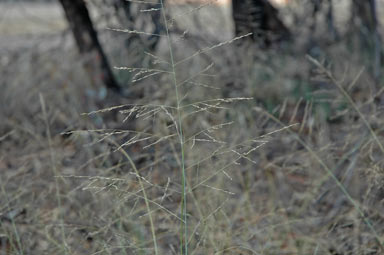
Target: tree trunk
{"points": [[261, 19], [330, 21], [85, 35], [150, 22], [318, 8], [364, 14]]}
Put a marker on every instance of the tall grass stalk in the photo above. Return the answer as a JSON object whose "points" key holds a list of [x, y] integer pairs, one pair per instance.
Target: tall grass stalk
{"points": [[184, 229], [55, 172], [144, 194]]}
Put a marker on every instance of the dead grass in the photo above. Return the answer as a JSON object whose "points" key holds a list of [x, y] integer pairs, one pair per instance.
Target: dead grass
{"points": [[294, 170]]}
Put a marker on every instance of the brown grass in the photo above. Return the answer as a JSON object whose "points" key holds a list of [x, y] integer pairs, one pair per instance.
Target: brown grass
{"points": [[287, 165]]}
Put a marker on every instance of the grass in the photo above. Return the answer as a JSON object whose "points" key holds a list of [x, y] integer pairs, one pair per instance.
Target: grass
{"points": [[180, 133], [222, 154]]}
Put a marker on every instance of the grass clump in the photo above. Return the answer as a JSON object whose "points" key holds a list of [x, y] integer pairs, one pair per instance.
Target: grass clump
{"points": [[225, 152]]}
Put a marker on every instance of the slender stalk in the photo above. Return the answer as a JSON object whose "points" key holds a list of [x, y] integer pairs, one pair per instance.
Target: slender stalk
{"points": [[184, 234], [55, 172], [144, 194]]}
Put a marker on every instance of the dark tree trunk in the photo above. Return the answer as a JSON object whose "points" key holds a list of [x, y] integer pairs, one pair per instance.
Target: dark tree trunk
{"points": [[364, 12], [261, 19], [152, 19], [330, 21], [318, 8], [364, 15], [86, 38]]}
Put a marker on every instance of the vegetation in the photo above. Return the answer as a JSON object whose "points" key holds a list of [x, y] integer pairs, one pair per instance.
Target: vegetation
{"points": [[221, 138]]}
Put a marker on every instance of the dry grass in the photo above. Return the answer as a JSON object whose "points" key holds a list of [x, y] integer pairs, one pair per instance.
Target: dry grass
{"points": [[282, 154]]}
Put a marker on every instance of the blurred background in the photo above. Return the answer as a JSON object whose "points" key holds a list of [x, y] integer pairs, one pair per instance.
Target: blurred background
{"points": [[279, 105]]}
